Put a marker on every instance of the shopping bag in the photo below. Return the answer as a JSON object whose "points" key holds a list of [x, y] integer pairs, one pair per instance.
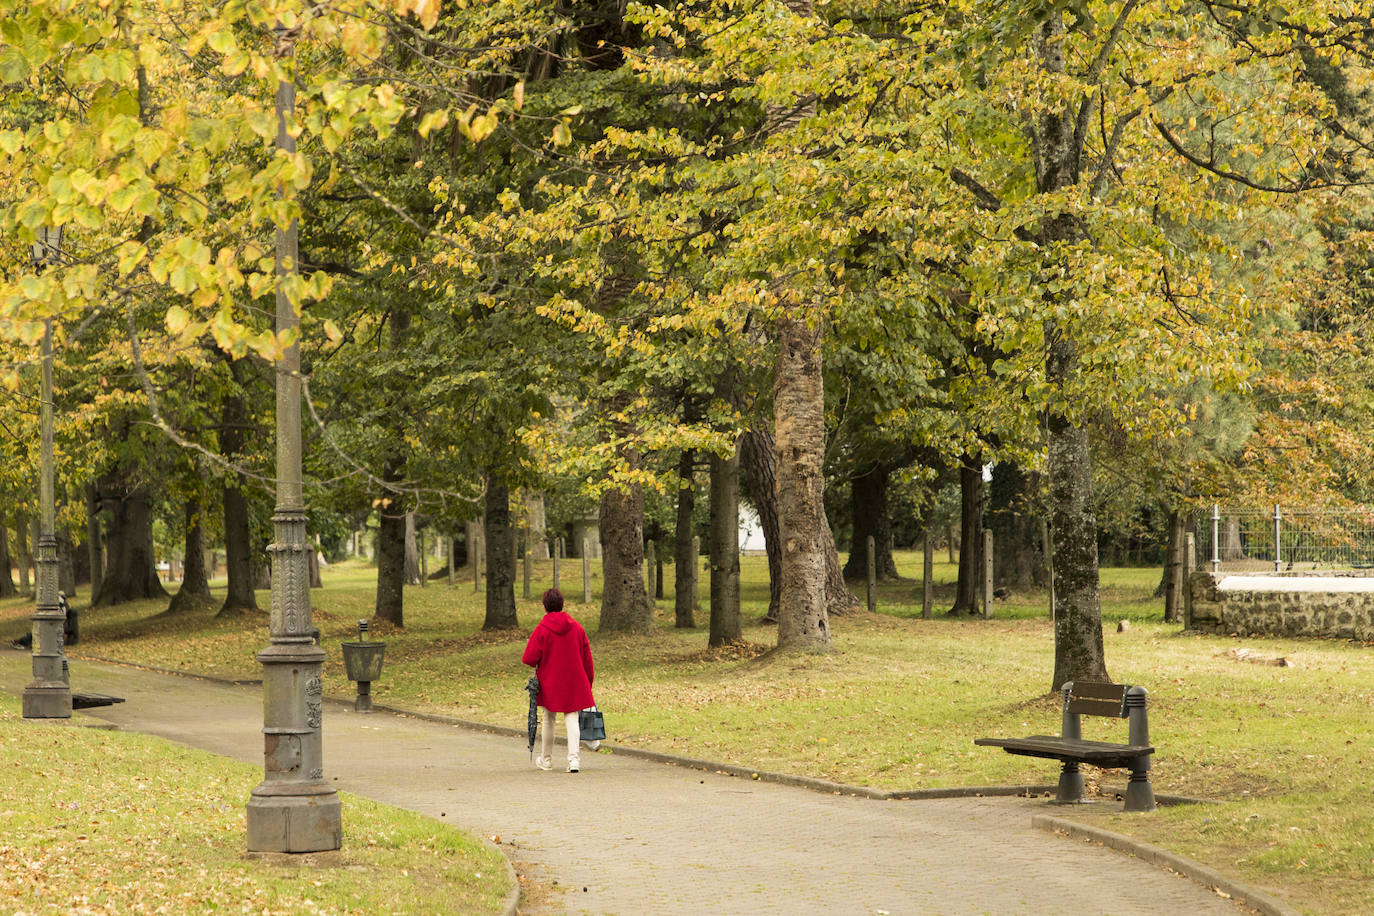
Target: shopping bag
{"points": [[592, 723]]}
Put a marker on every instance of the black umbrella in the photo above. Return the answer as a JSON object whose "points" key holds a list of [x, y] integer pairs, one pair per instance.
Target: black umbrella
{"points": [[533, 688]]}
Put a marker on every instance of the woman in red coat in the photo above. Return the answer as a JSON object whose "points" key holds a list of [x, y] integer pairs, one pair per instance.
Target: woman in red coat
{"points": [[561, 656]]}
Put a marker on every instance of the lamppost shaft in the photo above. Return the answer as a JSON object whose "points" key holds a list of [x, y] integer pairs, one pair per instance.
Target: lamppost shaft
{"points": [[293, 810], [49, 696]]}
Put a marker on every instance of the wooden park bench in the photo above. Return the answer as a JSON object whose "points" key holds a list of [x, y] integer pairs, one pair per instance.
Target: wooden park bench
{"points": [[1113, 700]]}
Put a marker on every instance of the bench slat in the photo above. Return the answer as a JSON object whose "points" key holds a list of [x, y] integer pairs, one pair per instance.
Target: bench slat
{"points": [[1100, 691], [1112, 709], [1097, 753]]}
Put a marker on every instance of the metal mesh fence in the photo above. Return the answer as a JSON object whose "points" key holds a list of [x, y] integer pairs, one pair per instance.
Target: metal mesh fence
{"points": [[1283, 540]]}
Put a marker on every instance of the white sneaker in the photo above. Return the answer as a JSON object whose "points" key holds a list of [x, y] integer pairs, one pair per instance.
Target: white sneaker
{"points": [[572, 767], [543, 763]]}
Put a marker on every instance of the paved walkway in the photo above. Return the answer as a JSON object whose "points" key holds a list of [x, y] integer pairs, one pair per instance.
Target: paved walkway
{"points": [[632, 837]]}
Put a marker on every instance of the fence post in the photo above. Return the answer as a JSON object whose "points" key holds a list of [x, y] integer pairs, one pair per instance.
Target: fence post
{"points": [[987, 572], [872, 574], [448, 545], [586, 571], [1216, 538], [1278, 519], [927, 576], [557, 556]]}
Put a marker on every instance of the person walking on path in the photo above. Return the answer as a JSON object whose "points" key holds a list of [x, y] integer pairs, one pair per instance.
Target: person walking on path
{"points": [[561, 656]]}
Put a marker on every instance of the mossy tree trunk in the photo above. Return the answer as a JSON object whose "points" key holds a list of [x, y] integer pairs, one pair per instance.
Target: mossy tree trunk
{"points": [[725, 615], [500, 548], [799, 422]]}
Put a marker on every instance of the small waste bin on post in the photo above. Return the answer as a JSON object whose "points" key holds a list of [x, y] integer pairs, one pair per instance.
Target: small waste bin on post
{"points": [[363, 663]]}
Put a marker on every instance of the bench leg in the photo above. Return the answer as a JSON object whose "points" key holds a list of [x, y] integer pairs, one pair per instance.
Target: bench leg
{"points": [[1140, 795], [1070, 785]]}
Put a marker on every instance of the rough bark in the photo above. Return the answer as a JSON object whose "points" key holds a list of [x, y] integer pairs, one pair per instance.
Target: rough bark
{"points": [[625, 604], [1020, 562], [799, 421], [1173, 567], [868, 498], [684, 558], [21, 534], [725, 614], [195, 584], [758, 463], [970, 536], [389, 607], [536, 525], [1078, 651], [412, 573], [94, 540], [7, 589], [66, 561], [839, 599], [500, 545], [238, 535], [391, 566], [132, 572]]}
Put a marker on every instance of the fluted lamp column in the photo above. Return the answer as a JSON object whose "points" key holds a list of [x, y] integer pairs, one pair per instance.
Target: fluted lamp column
{"points": [[49, 695], [293, 810]]}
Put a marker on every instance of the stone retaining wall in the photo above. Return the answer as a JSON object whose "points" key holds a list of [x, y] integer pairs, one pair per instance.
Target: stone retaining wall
{"points": [[1278, 612]]}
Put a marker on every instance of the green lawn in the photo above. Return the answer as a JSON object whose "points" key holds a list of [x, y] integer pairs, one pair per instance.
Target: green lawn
{"points": [[1282, 749], [110, 822]]}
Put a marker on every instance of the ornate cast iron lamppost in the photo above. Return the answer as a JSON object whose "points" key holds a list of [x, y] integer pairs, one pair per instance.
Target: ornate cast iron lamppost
{"points": [[50, 694], [293, 809]]}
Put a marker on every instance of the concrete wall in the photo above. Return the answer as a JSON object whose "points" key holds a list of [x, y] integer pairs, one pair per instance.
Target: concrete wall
{"points": [[1280, 611]]}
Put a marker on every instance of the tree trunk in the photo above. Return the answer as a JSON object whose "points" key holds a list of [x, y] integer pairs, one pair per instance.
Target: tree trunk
{"points": [[799, 419], [7, 589], [412, 571], [391, 566], [684, 558], [970, 536], [1078, 650], [1079, 653], [725, 615], [868, 496], [536, 525], [195, 584], [66, 561], [839, 599], [759, 464], [21, 533], [238, 533], [500, 546], [625, 605], [1020, 561], [1232, 544], [392, 546], [132, 572], [94, 539], [1173, 566]]}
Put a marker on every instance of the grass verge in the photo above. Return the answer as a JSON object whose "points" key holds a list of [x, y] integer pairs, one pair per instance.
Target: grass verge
{"points": [[109, 822]]}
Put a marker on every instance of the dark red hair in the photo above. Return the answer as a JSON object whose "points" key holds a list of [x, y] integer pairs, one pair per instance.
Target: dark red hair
{"points": [[553, 600]]}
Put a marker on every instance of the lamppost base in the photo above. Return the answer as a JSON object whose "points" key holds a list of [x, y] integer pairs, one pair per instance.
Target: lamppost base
{"points": [[308, 820], [47, 700]]}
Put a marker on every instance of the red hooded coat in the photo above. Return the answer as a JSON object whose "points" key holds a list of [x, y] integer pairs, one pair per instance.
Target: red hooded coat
{"points": [[561, 656]]}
